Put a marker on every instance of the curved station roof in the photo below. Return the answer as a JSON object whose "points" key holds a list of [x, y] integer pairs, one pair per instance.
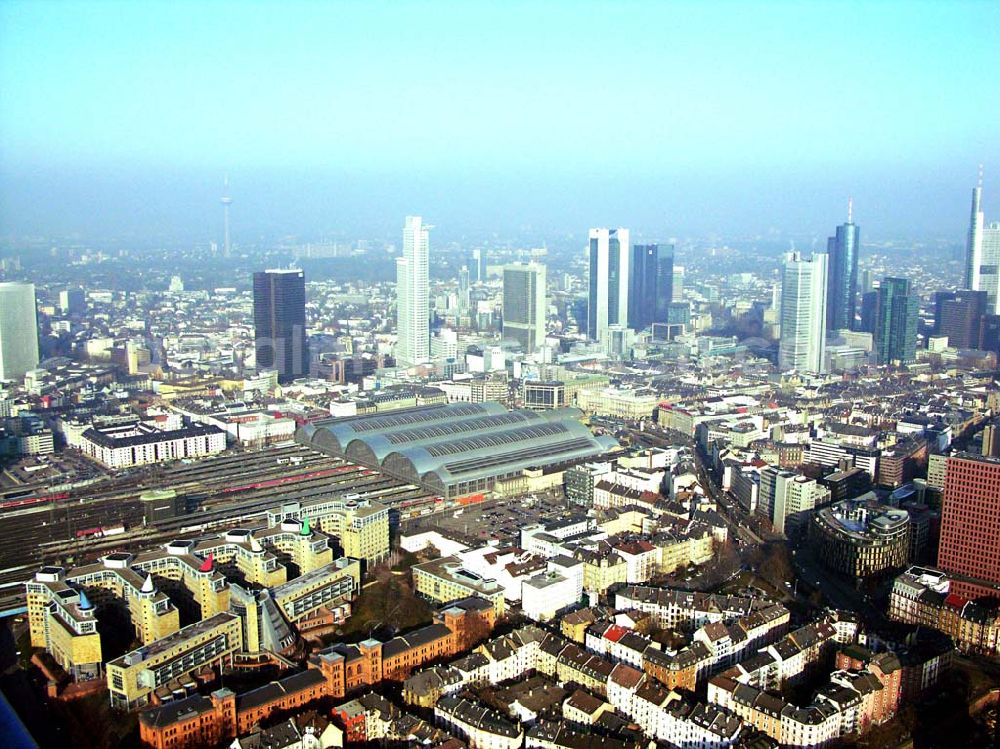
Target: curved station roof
{"points": [[460, 444]]}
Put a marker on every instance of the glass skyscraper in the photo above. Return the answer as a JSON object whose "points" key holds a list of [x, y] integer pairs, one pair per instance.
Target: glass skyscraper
{"points": [[609, 281], [279, 318], [895, 338], [842, 276], [651, 285], [957, 314]]}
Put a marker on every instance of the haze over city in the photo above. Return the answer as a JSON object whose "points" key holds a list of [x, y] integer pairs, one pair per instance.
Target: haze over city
{"points": [[679, 119], [481, 375]]}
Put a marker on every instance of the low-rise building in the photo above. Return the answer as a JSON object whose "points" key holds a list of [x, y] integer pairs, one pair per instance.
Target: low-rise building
{"points": [[142, 443]]}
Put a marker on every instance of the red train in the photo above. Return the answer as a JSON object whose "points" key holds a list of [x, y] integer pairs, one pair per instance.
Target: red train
{"points": [[289, 479], [26, 501], [101, 531]]}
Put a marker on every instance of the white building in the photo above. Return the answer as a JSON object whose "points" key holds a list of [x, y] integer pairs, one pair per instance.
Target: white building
{"points": [[803, 312], [412, 306], [141, 444], [18, 330], [479, 726], [547, 593], [610, 253]]}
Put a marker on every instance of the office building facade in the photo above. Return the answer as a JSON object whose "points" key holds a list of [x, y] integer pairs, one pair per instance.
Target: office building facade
{"points": [[651, 285], [524, 305], [412, 305], [989, 271], [957, 315], [970, 525], [475, 264], [842, 276], [974, 241], [895, 334], [18, 330], [803, 312], [609, 281], [279, 317], [73, 301]]}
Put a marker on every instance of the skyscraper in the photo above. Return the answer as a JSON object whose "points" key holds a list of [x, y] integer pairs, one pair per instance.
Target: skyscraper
{"points": [[524, 305], [957, 314], [609, 281], [842, 275], [970, 524], [18, 330], [989, 271], [895, 335], [651, 285], [279, 318], [475, 261], [642, 285], [869, 309], [974, 240], [412, 304], [803, 312]]}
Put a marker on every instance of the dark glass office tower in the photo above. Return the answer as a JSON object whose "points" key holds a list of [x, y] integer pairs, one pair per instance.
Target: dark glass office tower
{"points": [[842, 278], [642, 286], [869, 306], [279, 318], [957, 315], [895, 338], [664, 283], [651, 282], [989, 333]]}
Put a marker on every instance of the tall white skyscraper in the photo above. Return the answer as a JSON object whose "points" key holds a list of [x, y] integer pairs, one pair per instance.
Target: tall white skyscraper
{"points": [[609, 281], [412, 307], [982, 252], [524, 305], [974, 241], [803, 312], [18, 330], [989, 277]]}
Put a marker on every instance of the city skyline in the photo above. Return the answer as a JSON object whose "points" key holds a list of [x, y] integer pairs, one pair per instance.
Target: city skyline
{"points": [[685, 431]]}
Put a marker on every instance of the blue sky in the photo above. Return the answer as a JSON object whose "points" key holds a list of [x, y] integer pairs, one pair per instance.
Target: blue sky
{"points": [[679, 118]]}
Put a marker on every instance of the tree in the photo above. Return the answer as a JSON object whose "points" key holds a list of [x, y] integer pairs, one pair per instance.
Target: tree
{"points": [[776, 566]]}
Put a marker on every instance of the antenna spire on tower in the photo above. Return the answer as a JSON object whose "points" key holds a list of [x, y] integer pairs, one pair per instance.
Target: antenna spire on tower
{"points": [[980, 175], [226, 202], [850, 210]]}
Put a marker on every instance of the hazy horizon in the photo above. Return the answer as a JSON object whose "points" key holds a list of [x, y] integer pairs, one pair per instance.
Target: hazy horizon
{"points": [[515, 119]]}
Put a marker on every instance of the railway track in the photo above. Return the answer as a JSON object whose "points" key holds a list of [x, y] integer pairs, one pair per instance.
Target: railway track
{"points": [[224, 491]]}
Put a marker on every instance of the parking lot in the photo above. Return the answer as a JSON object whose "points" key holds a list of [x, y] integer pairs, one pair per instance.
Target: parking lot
{"points": [[500, 519]]}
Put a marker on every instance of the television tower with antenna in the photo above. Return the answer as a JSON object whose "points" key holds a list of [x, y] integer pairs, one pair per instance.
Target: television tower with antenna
{"points": [[226, 202]]}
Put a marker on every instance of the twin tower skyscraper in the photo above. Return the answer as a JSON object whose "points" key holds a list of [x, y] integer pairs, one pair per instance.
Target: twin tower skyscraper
{"points": [[629, 286], [817, 296]]}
